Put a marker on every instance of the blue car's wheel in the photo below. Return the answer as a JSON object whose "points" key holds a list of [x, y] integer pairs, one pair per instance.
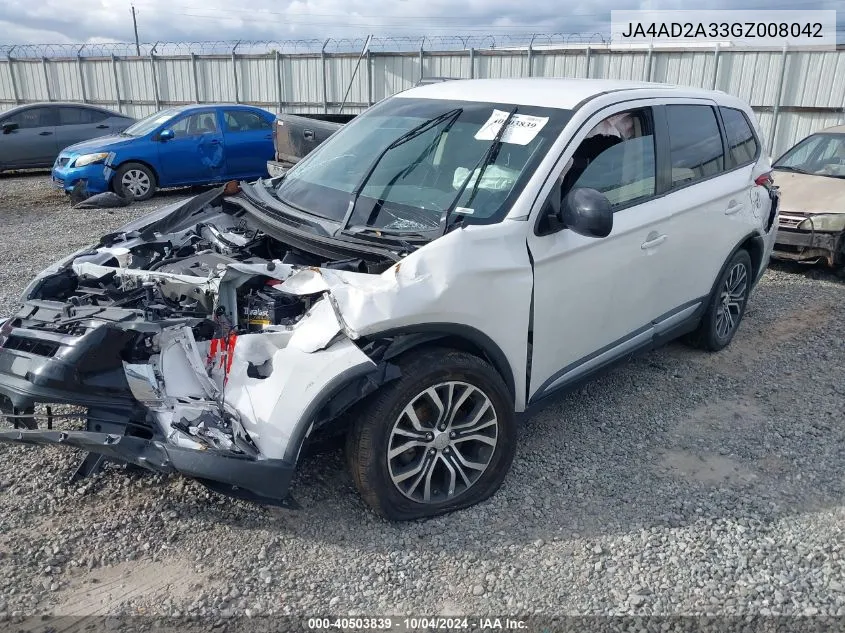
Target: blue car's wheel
{"points": [[134, 181]]}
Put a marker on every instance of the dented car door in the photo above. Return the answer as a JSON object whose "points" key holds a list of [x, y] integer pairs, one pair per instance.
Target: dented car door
{"points": [[195, 153]]}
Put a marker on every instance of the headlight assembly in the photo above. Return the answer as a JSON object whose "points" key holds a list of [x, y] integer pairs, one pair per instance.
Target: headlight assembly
{"points": [[90, 159], [829, 222]]}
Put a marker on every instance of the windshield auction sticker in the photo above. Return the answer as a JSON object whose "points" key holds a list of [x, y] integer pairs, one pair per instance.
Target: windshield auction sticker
{"points": [[521, 130], [794, 29]]}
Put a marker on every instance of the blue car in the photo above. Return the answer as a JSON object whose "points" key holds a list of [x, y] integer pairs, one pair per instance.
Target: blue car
{"points": [[187, 145]]}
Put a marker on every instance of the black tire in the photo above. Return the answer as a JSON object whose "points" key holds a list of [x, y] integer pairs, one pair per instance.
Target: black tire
{"points": [[711, 334], [121, 188], [373, 421]]}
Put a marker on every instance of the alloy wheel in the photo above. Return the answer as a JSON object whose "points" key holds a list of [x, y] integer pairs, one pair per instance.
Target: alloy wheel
{"points": [[442, 442], [731, 301]]}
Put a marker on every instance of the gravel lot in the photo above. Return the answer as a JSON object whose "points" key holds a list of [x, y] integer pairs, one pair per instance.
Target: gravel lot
{"points": [[681, 483]]}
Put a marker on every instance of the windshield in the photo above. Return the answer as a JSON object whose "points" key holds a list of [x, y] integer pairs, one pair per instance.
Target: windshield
{"points": [[819, 154], [145, 126], [405, 162]]}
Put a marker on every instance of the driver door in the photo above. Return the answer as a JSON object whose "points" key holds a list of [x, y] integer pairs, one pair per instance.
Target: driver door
{"points": [[195, 154], [597, 299]]}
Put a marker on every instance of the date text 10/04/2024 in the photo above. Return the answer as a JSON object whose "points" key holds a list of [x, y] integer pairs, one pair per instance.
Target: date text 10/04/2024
{"points": [[417, 623]]}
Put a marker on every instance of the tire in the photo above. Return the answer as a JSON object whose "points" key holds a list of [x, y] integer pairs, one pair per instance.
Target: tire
{"points": [[717, 330], [381, 424], [134, 181]]}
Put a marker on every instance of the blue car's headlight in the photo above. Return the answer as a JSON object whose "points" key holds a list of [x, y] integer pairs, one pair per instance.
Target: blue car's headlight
{"points": [[90, 159]]}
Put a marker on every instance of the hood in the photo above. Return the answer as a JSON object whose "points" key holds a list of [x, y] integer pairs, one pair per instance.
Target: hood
{"points": [[101, 144], [808, 193]]}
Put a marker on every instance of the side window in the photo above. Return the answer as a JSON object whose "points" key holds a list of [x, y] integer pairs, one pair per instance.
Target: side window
{"points": [[241, 121], [79, 116], [695, 144], [195, 124], [742, 144], [616, 158], [32, 118]]}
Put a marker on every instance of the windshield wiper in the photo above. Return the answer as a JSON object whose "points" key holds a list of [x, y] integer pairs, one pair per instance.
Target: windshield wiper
{"points": [[400, 238], [488, 159], [407, 136], [353, 230]]}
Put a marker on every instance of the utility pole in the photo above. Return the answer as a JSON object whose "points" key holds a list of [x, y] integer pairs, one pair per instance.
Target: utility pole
{"points": [[135, 26]]}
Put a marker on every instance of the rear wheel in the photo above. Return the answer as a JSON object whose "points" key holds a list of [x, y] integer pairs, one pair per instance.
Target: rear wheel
{"points": [[134, 181], [727, 305], [440, 438]]}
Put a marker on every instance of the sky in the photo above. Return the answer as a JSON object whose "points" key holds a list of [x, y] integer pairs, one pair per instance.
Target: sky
{"points": [[89, 21]]}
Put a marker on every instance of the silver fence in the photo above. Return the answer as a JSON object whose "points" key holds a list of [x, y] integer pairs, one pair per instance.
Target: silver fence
{"points": [[794, 92]]}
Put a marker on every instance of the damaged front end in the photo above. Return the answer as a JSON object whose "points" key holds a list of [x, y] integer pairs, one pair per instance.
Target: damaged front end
{"points": [[196, 343]]}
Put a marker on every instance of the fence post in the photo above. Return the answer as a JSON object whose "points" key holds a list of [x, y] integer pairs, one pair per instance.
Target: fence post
{"points": [[46, 78], [155, 76], [471, 62], [531, 55], [81, 73], [325, 81], [195, 77], [116, 82], [235, 70], [422, 43], [10, 60], [715, 80], [369, 78], [778, 99], [648, 63], [279, 79], [589, 54]]}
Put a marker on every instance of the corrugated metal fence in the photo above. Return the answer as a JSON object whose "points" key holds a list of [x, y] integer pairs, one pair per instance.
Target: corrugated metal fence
{"points": [[793, 92]]}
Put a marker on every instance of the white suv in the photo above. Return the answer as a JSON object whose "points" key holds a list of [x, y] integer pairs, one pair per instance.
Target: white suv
{"points": [[455, 254]]}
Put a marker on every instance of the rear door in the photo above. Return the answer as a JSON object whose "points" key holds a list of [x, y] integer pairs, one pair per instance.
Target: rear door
{"points": [[196, 153], [79, 124], [710, 200], [249, 143], [33, 142]]}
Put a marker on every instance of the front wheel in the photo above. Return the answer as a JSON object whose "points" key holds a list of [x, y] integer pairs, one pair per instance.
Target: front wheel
{"points": [[440, 438], [727, 305], [134, 181]]}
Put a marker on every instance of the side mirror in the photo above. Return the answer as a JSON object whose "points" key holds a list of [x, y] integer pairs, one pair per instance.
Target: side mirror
{"points": [[9, 127], [587, 212], [166, 135]]}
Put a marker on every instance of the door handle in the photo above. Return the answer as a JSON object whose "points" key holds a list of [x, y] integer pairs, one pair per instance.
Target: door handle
{"points": [[102, 127], [308, 135], [44, 133], [653, 240], [733, 207]]}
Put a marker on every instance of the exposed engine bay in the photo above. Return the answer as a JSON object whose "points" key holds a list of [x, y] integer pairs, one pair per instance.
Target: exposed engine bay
{"points": [[182, 338], [182, 261]]}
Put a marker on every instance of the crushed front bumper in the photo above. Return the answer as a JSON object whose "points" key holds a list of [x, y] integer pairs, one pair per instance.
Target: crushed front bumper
{"points": [[86, 371], [806, 246], [96, 177], [265, 480]]}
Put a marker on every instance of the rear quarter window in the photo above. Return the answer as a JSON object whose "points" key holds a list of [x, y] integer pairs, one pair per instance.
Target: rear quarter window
{"points": [[742, 143]]}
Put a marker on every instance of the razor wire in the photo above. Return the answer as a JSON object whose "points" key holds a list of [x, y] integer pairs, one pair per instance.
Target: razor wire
{"points": [[386, 44]]}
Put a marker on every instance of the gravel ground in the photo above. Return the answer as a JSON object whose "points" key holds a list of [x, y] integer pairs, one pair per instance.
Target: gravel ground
{"points": [[680, 483]]}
